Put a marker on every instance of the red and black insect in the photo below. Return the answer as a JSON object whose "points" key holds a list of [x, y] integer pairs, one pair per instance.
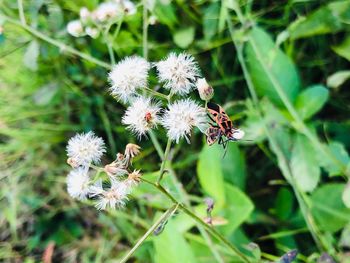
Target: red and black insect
{"points": [[221, 129]]}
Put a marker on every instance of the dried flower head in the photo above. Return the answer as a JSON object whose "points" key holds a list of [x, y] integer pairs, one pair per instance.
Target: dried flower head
{"points": [[127, 76], [75, 28], [178, 72], [115, 169], [238, 134], [141, 116], [84, 149], [114, 197], [78, 183], [181, 117], [206, 92], [131, 150], [134, 178]]}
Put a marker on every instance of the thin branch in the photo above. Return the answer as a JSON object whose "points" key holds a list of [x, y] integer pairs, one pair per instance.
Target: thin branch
{"points": [[164, 217], [63, 47], [21, 12]]}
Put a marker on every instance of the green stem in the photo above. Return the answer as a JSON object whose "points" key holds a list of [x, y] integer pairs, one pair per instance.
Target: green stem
{"points": [[156, 144], [164, 217], [207, 227], [63, 47], [293, 111], [156, 93], [119, 26], [162, 167], [318, 237], [145, 30], [21, 12]]}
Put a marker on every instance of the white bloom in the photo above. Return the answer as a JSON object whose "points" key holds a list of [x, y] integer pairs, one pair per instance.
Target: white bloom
{"points": [[129, 7], [83, 149], [75, 28], [178, 72], [106, 11], [92, 32], [141, 116], [206, 92], [115, 196], [238, 134], [127, 76], [78, 183], [84, 14], [180, 118]]}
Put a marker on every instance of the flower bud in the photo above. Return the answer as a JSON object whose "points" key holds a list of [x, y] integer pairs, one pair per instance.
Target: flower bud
{"points": [[75, 28], [92, 32], [206, 92], [84, 14]]}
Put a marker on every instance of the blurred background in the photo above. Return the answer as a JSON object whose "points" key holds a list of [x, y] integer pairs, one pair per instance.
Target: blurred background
{"points": [[285, 189]]}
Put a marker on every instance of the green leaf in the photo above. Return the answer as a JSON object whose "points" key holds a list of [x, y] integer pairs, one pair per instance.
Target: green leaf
{"points": [[44, 95], [346, 195], [30, 58], [328, 208], [264, 57], [237, 209], [184, 37], [172, 247], [327, 19], [311, 100], [233, 166], [343, 49], [304, 165], [165, 13], [210, 20], [210, 172], [338, 78], [341, 156], [284, 203]]}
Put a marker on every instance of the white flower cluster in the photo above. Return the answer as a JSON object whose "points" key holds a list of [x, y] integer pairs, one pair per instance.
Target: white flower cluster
{"points": [[179, 74], [91, 23], [85, 150]]}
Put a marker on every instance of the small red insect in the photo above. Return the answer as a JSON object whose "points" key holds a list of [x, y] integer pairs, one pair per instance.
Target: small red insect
{"points": [[221, 127], [148, 117]]}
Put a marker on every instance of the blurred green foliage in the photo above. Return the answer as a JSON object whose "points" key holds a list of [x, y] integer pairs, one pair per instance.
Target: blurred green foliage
{"points": [[266, 190]]}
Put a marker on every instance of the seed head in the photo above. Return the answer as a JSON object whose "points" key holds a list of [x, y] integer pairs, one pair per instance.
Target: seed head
{"points": [[84, 149], [178, 72], [141, 116], [181, 117], [127, 76], [78, 183]]}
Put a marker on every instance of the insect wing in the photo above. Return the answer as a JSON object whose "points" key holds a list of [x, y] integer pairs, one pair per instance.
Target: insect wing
{"points": [[213, 133]]}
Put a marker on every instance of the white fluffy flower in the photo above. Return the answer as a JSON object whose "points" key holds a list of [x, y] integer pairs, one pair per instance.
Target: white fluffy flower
{"points": [[127, 76], [181, 117], [106, 11], [114, 197], [78, 183], [83, 149], [75, 28], [129, 7], [141, 116], [178, 72]]}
